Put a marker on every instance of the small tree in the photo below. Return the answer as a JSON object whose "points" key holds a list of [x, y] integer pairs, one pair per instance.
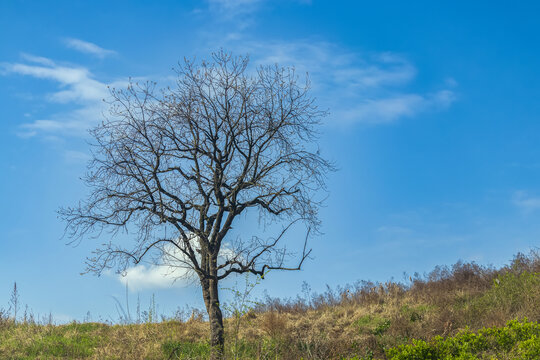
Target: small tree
{"points": [[179, 166]]}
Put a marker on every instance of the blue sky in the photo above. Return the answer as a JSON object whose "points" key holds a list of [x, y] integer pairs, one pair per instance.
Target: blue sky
{"points": [[434, 125]]}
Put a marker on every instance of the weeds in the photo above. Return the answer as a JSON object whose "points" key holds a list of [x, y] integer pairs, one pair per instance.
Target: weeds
{"points": [[14, 302], [240, 306]]}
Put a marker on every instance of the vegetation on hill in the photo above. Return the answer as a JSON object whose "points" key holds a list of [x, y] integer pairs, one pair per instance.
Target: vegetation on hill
{"points": [[466, 311]]}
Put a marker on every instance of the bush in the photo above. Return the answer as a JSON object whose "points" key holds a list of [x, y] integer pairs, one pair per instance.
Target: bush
{"points": [[517, 340]]}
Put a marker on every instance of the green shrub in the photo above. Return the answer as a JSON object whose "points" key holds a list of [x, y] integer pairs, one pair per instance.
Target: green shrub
{"points": [[528, 349], [517, 340]]}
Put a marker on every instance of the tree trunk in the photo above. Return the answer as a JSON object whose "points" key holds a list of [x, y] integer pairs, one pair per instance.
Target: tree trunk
{"points": [[215, 317]]}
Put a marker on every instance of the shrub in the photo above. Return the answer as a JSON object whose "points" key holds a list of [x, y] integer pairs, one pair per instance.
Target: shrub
{"points": [[517, 340]]}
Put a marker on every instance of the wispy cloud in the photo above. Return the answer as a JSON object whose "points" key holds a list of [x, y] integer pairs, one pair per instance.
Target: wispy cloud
{"points": [[71, 123], [368, 88], [76, 85], [234, 7], [358, 87], [525, 201], [88, 48], [76, 82], [390, 109], [230, 18], [37, 59]]}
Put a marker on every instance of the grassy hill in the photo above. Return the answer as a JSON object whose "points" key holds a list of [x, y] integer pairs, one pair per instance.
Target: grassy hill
{"points": [[465, 311]]}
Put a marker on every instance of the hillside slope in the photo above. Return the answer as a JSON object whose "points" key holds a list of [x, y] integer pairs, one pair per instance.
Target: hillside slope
{"points": [[365, 320]]}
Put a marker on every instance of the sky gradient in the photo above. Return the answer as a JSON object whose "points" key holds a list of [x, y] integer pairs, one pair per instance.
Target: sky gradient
{"points": [[434, 125]]}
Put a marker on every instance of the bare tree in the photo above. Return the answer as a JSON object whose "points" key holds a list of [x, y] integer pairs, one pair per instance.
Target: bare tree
{"points": [[180, 165]]}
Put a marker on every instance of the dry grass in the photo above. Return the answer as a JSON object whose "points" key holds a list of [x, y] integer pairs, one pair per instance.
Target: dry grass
{"points": [[359, 320]]}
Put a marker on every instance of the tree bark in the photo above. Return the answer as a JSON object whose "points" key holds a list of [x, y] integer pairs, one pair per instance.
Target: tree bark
{"points": [[215, 317]]}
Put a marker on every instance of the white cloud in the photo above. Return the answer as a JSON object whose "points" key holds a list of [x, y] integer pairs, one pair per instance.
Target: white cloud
{"points": [[71, 123], [171, 267], [141, 277], [37, 59], [76, 85], [357, 88], [390, 109], [525, 201], [172, 270], [384, 110], [333, 65], [88, 48], [373, 75], [368, 88]]}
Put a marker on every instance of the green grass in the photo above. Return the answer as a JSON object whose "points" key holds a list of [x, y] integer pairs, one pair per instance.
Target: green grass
{"points": [[372, 324], [31, 341], [185, 350]]}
